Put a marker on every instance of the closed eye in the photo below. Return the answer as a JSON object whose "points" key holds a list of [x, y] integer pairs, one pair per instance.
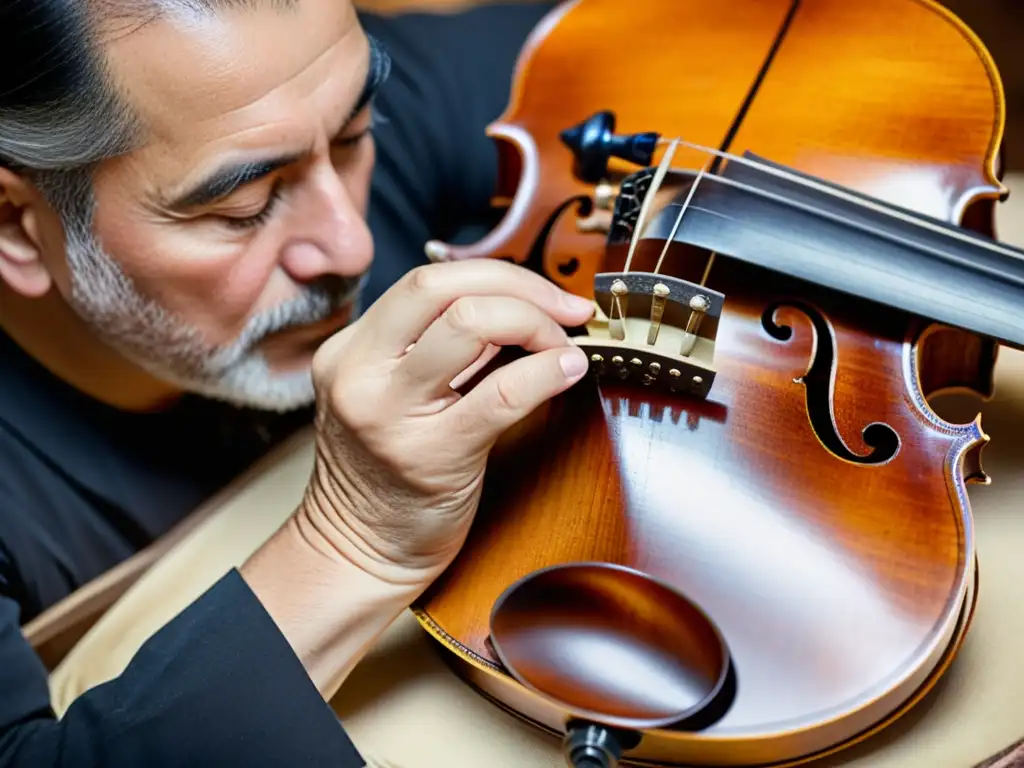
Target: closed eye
{"points": [[351, 141], [254, 220], [261, 216]]}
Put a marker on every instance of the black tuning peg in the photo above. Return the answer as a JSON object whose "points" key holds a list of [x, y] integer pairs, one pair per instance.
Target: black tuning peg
{"points": [[593, 142]]}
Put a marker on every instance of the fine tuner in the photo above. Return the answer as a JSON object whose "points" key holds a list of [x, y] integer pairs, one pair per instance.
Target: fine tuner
{"points": [[654, 331]]}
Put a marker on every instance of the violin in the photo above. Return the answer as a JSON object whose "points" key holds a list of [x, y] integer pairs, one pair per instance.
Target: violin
{"points": [[745, 539]]}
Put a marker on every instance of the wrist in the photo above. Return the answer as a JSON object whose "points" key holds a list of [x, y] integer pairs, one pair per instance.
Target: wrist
{"points": [[329, 609], [341, 524]]}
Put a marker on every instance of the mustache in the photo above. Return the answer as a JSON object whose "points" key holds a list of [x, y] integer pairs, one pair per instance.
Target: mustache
{"points": [[318, 301]]}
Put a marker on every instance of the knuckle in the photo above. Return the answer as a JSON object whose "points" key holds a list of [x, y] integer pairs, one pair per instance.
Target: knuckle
{"points": [[542, 326], [507, 393], [423, 279], [555, 294], [354, 408], [320, 368], [465, 315], [324, 363]]}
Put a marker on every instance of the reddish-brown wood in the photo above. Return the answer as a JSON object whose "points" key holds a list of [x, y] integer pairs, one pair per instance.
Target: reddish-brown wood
{"points": [[612, 642], [843, 587]]}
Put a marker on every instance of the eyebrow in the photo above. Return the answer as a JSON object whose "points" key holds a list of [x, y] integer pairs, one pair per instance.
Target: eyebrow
{"points": [[226, 180]]}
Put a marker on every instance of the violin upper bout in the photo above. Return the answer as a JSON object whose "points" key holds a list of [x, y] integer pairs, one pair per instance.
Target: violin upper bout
{"points": [[519, 171], [545, 224], [988, 185]]}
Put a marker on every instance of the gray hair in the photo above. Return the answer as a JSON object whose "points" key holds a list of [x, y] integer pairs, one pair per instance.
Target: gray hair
{"points": [[60, 113]]}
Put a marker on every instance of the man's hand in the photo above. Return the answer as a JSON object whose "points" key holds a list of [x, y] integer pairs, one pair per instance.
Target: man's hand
{"points": [[400, 454]]}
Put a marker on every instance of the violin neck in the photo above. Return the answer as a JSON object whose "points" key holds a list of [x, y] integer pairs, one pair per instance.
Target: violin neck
{"points": [[772, 216]]}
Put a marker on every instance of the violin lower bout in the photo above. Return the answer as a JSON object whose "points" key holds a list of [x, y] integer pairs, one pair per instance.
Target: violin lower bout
{"points": [[813, 505]]}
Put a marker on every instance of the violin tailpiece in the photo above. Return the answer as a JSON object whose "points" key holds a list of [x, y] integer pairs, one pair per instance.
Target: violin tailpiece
{"points": [[654, 330]]}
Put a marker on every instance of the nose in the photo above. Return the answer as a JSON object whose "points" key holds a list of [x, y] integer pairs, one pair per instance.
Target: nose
{"points": [[328, 234]]}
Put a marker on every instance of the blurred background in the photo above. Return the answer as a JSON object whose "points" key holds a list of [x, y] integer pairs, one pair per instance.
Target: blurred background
{"points": [[1000, 25]]}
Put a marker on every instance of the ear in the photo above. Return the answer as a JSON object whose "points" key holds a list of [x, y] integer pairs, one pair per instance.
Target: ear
{"points": [[21, 244]]}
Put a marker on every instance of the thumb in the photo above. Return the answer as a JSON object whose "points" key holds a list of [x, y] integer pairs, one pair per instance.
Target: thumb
{"points": [[515, 390]]}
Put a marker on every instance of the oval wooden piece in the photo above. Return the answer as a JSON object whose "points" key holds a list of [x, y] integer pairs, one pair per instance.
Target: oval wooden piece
{"points": [[611, 644]]}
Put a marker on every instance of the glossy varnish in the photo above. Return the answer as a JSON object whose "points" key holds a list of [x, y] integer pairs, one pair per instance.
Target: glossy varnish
{"points": [[838, 562]]}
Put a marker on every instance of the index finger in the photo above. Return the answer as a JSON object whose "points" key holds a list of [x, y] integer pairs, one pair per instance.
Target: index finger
{"points": [[401, 315]]}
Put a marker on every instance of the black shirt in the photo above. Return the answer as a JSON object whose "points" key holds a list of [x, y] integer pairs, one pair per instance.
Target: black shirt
{"points": [[83, 486]]}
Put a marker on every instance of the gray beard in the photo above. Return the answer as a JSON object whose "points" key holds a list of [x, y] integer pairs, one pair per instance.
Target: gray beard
{"points": [[172, 350]]}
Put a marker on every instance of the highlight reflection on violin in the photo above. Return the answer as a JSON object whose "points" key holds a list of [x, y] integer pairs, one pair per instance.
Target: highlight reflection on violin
{"points": [[782, 211]]}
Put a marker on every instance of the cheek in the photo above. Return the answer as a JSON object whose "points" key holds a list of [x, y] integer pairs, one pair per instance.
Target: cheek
{"points": [[212, 280]]}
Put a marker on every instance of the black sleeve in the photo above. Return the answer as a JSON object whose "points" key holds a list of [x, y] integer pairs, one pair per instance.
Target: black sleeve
{"points": [[436, 169], [218, 686]]}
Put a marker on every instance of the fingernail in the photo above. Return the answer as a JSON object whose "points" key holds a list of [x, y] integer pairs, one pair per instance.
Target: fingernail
{"points": [[578, 303], [574, 363], [435, 251]]}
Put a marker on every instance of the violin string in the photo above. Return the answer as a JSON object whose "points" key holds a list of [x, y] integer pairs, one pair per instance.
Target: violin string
{"points": [[645, 209], [941, 254], [679, 218], [982, 309], [665, 166], [707, 270], [952, 258], [994, 247]]}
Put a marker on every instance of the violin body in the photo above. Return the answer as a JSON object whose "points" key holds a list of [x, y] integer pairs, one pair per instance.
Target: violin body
{"points": [[813, 503]]}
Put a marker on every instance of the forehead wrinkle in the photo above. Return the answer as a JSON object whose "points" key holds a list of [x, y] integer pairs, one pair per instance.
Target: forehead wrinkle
{"points": [[208, 73], [272, 110], [144, 11], [356, 77], [272, 138]]}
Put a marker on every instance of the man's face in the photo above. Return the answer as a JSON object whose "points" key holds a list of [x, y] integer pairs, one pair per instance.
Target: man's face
{"points": [[232, 243]]}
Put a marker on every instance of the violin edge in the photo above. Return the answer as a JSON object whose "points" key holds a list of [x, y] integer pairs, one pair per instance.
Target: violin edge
{"points": [[787, 750], [991, 169]]}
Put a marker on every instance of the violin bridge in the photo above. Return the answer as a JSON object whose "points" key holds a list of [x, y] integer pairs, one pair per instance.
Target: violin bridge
{"points": [[655, 331]]}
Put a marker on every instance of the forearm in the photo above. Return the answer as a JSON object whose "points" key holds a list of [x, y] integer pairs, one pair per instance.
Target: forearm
{"points": [[218, 685], [328, 609]]}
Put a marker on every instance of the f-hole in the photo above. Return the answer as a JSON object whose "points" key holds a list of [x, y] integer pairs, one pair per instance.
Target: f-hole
{"points": [[535, 258], [819, 383]]}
